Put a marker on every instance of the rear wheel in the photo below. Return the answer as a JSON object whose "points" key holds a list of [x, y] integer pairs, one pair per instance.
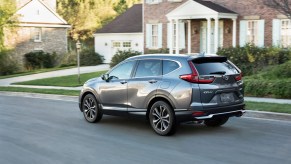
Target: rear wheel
{"points": [[162, 118], [215, 122], [91, 111]]}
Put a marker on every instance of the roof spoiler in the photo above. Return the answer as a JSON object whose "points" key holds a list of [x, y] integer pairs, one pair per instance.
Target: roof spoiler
{"points": [[209, 59]]}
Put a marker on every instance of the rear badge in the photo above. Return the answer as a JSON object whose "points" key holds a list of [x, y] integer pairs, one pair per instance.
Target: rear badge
{"points": [[225, 77]]}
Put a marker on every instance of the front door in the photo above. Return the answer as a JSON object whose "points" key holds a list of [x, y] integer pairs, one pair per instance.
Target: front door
{"points": [[114, 91], [203, 36]]}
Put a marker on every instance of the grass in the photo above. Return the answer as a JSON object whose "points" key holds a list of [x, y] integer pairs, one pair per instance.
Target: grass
{"points": [[35, 72], [63, 81], [43, 91], [268, 107]]}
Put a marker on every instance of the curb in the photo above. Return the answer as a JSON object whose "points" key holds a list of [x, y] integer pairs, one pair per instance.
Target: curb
{"points": [[268, 115], [249, 113]]}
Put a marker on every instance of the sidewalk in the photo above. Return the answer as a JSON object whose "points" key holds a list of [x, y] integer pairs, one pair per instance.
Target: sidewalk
{"points": [[65, 72]]}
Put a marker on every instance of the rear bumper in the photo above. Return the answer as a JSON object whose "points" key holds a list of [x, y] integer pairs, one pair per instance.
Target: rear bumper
{"points": [[225, 111]]}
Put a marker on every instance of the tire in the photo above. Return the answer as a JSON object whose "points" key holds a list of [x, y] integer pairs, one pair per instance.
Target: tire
{"points": [[162, 118], [91, 111], [216, 122]]}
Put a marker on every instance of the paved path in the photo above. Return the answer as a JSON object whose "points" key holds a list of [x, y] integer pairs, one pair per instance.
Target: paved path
{"points": [[65, 72]]}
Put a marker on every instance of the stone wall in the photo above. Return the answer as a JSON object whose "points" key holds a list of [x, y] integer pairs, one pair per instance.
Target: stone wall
{"points": [[21, 40]]}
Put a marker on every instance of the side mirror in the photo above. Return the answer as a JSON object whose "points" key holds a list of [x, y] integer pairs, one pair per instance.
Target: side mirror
{"points": [[105, 77]]}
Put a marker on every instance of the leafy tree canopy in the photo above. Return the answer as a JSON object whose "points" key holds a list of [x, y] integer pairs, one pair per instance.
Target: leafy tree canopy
{"points": [[86, 16], [7, 9]]}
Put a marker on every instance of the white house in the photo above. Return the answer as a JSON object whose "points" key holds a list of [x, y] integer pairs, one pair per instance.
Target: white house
{"points": [[123, 33]]}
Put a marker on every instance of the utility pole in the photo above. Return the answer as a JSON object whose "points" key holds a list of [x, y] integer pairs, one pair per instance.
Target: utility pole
{"points": [[78, 46]]}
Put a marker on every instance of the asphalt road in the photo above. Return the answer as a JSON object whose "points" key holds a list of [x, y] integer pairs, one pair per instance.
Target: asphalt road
{"points": [[52, 131]]}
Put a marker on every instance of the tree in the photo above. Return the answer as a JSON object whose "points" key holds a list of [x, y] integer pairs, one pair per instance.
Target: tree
{"points": [[7, 18], [282, 6], [86, 16]]}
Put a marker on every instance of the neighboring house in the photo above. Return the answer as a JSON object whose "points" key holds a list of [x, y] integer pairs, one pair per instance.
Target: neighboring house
{"points": [[123, 33], [193, 26], [40, 28]]}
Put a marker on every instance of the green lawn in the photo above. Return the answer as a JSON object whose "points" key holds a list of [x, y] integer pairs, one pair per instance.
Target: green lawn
{"points": [[44, 91], [269, 107], [63, 81], [35, 72]]}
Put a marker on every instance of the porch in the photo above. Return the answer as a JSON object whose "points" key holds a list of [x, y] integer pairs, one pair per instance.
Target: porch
{"points": [[207, 26]]}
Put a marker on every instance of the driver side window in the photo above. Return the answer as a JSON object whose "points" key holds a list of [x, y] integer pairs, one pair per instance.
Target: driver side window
{"points": [[122, 71]]}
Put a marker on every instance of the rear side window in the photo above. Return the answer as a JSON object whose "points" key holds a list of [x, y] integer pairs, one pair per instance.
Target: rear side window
{"points": [[148, 68], [212, 68], [169, 66]]}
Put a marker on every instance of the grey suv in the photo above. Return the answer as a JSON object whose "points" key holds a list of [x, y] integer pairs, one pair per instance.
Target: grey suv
{"points": [[166, 90]]}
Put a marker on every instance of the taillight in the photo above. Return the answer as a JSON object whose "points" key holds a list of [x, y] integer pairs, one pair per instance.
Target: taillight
{"points": [[238, 77], [195, 78]]}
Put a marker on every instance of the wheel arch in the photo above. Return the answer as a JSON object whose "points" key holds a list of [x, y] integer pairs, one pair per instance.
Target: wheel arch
{"points": [[158, 98], [85, 93]]}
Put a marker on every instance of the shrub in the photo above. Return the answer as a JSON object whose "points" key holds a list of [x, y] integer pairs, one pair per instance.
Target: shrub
{"points": [[158, 51], [251, 59], [8, 65], [40, 59], [276, 88], [89, 57], [122, 55], [69, 59]]}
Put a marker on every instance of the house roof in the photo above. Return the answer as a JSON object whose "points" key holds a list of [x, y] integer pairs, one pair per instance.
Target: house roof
{"points": [[37, 12], [128, 22], [215, 6]]}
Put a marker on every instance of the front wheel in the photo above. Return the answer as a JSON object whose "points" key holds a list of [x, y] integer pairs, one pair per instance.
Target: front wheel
{"points": [[91, 111], [215, 122], [162, 118]]}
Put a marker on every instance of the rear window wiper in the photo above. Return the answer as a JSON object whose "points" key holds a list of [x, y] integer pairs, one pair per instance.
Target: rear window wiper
{"points": [[218, 72]]}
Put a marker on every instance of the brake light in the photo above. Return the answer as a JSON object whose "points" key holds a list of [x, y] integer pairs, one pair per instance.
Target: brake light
{"points": [[238, 77], [195, 78]]}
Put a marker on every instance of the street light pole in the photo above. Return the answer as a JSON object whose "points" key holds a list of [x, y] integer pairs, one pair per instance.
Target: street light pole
{"points": [[78, 46]]}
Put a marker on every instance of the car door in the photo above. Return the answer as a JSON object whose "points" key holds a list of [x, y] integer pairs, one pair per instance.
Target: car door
{"points": [[143, 86], [113, 91]]}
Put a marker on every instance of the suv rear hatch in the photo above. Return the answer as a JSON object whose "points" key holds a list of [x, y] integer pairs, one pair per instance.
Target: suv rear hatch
{"points": [[219, 80]]}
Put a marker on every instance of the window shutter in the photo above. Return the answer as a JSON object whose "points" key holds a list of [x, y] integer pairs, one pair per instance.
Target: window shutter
{"points": [[148, 35], [32, 34], [261, 33], [169, 39], [182, 35], [160, 35], [276, 32], [243, 33]]}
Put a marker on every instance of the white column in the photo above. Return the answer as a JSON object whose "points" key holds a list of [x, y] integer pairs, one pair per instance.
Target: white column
{"points": [[189, 36], [177, 36], [234, 32], [171, 37], [215, 35], [208, 35]]}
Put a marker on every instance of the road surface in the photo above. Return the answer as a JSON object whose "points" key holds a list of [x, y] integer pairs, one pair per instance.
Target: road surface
{"points": [[34, 130]]}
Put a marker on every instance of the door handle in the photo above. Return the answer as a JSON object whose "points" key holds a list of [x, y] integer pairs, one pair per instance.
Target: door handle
{"points": [[123, 82], [152, 81]]}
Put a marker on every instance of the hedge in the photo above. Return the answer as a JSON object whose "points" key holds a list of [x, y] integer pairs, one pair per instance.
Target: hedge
{"points": [[122, 55]]}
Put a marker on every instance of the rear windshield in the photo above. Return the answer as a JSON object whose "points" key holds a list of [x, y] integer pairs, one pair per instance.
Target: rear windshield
{"points": [[214, 68]]}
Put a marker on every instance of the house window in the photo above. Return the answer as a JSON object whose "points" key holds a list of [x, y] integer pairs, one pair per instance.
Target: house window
{"points": [[252, 32], [154, 36], [153, 1], [174, 35], [126, 44], [116, 44], [37, 34], [285, 33]]}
